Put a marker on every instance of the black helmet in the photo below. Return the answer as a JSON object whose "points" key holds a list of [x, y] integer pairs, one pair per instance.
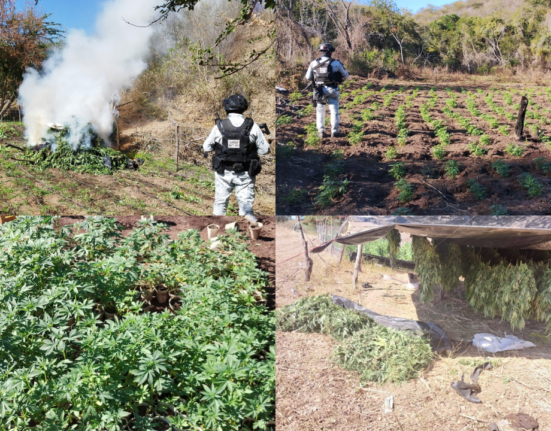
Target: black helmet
{"points": [[326, 47], [235, 103]]}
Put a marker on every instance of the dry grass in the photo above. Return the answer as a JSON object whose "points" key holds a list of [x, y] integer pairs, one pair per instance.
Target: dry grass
{"points": [[313, 393]]}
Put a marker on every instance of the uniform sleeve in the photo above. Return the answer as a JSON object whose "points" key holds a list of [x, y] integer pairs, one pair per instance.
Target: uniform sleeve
{"points": [[343, 71], [261, 144], [209, 144], [308, 76]]}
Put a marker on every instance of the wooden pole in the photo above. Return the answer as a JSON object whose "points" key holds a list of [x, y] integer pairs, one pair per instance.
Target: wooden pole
{"points": [[177, 146], [520, 119], [307, 261], [342, 229], [358, 266]]}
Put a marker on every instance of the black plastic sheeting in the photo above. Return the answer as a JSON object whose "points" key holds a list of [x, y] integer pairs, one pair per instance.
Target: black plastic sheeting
{"points": [[439, 341], [521, 232]]}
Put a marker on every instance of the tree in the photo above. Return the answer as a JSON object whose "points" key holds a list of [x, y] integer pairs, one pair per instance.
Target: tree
{"points": [[25, 37]]}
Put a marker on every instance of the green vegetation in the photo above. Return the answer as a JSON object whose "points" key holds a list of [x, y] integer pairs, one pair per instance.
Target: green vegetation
{"points": [[378, 353], [498, 210], [309, 109], [400, 119], [331, 187], [501, 168], [514, 150], [206, 362], [439, 152], [295, 96], [452, 169], [397, 170], [283, 120], [477, 150], [407, 192], [478, 190], [356, 133], [285, 150], [531, 184], [391, 153], [312, 139], [86, 161]]}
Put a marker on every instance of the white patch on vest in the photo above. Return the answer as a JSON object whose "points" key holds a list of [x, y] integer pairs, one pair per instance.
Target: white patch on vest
{"points": [[234, 143], [323, 70]]}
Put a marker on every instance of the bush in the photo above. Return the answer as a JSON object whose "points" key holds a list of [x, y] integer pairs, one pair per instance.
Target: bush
{"points": [[397, 170], [501, 168], [531, 184], [478, 190], [407, 191]]}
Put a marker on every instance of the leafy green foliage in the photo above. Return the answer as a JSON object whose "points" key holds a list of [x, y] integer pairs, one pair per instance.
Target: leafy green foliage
{"points": [[485, 140], [384, 355], [320, 314], [514, 150], [208, 364], [427, 266], [476, 149], [452, 169], [311, 135], [284, 120], [498, 210], [391, 153], [397, 170], [477, 189], [407, 192], [295, 96], [531, 184], [86, 161], [307, 110], [439, 152], [331, 187], [501, 168], [376, 352]]}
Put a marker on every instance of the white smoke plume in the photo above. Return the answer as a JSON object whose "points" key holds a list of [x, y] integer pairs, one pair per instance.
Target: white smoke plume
{"points": [[79, 82]]}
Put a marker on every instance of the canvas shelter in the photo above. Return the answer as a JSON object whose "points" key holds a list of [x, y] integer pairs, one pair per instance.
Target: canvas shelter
{"points": [[521, 232]]}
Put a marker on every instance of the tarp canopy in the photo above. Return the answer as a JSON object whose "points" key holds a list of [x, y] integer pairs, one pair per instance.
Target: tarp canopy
{"points": [[521, 232]]}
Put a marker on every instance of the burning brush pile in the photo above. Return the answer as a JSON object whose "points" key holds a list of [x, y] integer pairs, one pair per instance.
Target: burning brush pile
{"points": [[93, 158]]}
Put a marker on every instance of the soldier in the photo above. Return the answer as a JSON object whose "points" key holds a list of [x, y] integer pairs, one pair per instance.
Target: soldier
{"points": [[237, 142], [326, 74]]}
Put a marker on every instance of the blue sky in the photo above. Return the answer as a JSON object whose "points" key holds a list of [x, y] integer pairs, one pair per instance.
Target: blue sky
{"points": [[69, 13], [415, 5]]}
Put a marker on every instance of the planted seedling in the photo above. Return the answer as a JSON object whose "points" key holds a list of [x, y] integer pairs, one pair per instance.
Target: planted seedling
{"points": [[406, 189], [531, 184], [284, 120], [514, 150], [498, 210], [397, 170], [476, 149], [452, 169], [391, 153], [501, 168], [478, 190]]}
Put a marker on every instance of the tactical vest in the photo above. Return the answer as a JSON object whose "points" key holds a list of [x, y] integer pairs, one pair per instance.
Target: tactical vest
{"points": [[323, 73], [236, 150]]}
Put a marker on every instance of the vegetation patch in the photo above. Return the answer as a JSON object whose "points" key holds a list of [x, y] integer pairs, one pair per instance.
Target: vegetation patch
{"points": [[205, 361], [379, 354]]}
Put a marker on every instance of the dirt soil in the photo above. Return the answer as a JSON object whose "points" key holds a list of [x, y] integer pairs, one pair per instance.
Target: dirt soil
{"points": [[300, 171], [315, 394]]}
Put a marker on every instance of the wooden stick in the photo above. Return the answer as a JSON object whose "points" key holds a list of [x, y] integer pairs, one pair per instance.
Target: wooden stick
{"points": [[177, 146], [308, 262], [357, 266], [520, 119]]}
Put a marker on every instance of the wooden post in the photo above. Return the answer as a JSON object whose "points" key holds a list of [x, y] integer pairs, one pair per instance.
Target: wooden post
{"points": [[307, 261], [520, 119], [177, 146], [358, 266], [342, 229]]}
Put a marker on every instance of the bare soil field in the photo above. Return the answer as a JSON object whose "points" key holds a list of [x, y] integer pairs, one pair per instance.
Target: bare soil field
{"points": [[364, 160], [313, 393]]}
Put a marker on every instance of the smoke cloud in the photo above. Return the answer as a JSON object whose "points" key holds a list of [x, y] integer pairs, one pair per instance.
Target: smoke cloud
{"points": [[79, 82]]}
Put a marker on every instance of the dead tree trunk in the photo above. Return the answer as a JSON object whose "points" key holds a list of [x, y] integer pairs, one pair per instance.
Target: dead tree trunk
{"points": [[307, 261], [520, 119], [358, 266], [177, 146]]}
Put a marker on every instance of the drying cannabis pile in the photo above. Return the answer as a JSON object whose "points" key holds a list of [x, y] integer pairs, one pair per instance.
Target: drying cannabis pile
{"points": [[208, 365], [394, 238], [98, 159], [513, 284], [378, 353]]}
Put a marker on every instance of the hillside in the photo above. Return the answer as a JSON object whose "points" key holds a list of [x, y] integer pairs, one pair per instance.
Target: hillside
{"points": [[473, 8]]}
